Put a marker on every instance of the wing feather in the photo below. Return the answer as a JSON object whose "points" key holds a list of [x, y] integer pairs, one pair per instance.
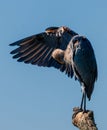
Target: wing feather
{"points": [[37, 49]]}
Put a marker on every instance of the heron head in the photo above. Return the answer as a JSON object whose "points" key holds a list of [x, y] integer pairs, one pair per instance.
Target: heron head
{"points": [[76, 40]]}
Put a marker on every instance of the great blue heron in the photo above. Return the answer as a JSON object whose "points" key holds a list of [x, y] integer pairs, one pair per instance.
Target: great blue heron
{"points": [[64, 49]]}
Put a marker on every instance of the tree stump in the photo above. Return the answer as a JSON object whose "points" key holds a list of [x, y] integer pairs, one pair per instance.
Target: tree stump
{"points": [[83, 120]]}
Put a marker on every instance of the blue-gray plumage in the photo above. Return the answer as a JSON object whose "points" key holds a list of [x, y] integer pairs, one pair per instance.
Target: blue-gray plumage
{"points": [[63, 49], [83, 64]]}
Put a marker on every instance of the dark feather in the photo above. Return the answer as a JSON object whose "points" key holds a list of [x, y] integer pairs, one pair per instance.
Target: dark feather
{"points": [[37, 49], [84, 62]]}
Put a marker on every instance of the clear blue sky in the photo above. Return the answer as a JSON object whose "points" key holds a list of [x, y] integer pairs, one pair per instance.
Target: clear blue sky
{"points": [[34, 98]]}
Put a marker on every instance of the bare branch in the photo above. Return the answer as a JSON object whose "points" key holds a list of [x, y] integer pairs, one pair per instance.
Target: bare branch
{"points": [[84, 120]]}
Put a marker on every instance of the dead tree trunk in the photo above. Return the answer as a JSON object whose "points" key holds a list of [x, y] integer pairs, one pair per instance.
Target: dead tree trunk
{"points": [[83, 120]]}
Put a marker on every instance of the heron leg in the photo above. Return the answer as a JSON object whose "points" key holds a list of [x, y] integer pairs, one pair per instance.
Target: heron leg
{"points": [[83, 101]]}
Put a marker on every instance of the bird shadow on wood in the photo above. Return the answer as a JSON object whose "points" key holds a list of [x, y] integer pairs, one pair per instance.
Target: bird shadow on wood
{"points": [[84, 120]]}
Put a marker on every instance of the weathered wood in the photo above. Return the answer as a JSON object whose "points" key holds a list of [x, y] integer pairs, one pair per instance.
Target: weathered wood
{"points": [[84, 120]]}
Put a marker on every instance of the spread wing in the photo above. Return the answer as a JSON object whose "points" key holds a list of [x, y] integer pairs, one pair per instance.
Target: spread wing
{"points": [[37, 49]]}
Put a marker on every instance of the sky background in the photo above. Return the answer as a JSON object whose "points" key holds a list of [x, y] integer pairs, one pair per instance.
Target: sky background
{"points": [[37, 98]]}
